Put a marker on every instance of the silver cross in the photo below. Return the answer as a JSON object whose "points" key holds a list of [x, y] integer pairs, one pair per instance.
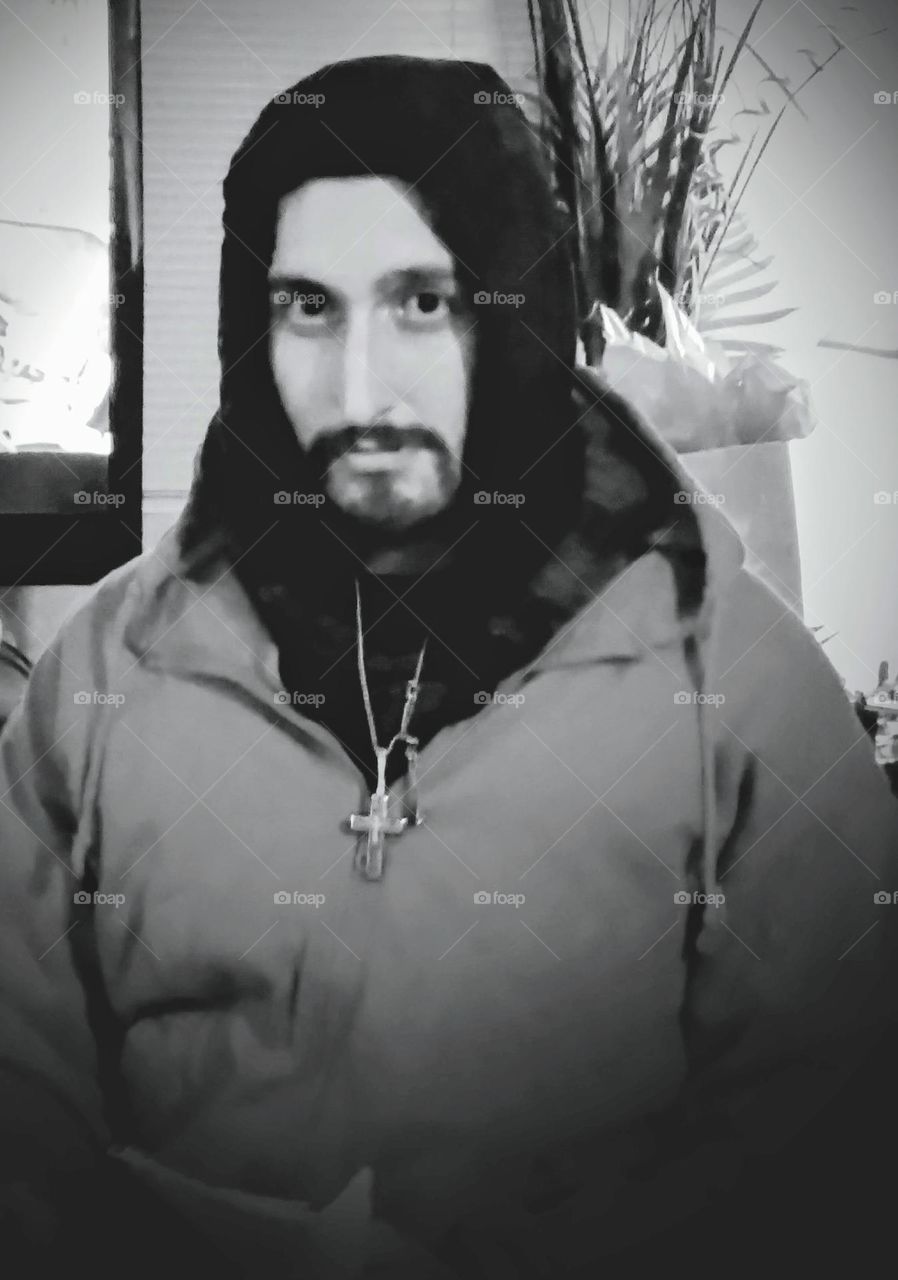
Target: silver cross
{"points": [[369, 858]]}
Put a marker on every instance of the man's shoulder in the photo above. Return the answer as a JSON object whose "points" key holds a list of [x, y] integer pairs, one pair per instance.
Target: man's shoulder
{"points": [[766, 658], [752, 607], [99, 618]]}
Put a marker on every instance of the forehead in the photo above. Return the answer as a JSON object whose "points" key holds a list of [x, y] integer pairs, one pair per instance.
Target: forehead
{"points": [[348, 232]]}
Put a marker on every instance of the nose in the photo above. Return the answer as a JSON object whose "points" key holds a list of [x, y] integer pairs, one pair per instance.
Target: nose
{"points": [[366, 397]]}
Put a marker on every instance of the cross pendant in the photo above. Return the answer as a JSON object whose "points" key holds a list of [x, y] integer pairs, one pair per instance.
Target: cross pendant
{"points": [[377, 823]]}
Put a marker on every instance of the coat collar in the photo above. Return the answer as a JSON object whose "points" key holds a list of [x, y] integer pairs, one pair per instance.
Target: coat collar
{"points": [[210, 627]]}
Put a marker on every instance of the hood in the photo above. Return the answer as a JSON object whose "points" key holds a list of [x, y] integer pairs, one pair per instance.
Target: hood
{"points": [[453, 131]]}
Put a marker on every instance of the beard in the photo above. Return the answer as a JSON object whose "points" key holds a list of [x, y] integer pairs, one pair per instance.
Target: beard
{"points": [[397, 494], [407, 509]]}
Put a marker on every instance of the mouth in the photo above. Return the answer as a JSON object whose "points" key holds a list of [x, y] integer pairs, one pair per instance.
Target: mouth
{"points": [[369, 444], [369, 454]]}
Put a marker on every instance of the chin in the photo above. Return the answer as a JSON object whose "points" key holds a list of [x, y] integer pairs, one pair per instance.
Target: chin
{"points": [[389, 520], [386, 509]]}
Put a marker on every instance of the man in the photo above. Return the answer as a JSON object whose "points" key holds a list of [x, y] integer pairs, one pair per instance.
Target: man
{"points": [[440, 857]]}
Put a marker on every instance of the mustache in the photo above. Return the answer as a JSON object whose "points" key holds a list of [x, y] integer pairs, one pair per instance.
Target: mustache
{"points": [[330, 445]]}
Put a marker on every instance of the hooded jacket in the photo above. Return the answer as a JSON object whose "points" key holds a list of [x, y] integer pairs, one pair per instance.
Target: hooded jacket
{"points": [[633, 945], [635, 942]]}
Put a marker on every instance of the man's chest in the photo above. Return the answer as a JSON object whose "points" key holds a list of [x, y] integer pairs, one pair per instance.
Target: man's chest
{"points": [[523, 943], [574, 789]]}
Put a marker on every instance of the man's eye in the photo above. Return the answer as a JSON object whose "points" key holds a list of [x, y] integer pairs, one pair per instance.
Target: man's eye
{"points": [[427, 306], [299, 308], [310, 305]]}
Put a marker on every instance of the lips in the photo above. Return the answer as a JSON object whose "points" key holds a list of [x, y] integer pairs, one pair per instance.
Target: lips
{"points": [[378, 446], [376, 459], [365, 445]]}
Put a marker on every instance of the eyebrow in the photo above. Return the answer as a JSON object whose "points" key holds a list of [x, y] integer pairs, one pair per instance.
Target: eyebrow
{"points": [[420, 276]]}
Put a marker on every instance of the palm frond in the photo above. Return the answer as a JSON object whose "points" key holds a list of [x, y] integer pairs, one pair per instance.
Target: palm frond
{"points": [[635, 149], [884, 352]]}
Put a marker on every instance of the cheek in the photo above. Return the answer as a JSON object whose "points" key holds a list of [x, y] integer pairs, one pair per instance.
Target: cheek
{"points": [[444, 387], [293, 371]]}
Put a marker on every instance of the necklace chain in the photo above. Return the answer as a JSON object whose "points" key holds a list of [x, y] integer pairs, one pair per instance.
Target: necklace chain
{"points": [[412, 687]]}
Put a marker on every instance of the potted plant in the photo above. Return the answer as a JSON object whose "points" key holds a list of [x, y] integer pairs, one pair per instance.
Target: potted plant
{"points": [[662, 253]]}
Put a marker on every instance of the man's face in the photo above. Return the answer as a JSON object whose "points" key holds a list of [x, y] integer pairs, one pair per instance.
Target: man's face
{"points": [[370, 349]]}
